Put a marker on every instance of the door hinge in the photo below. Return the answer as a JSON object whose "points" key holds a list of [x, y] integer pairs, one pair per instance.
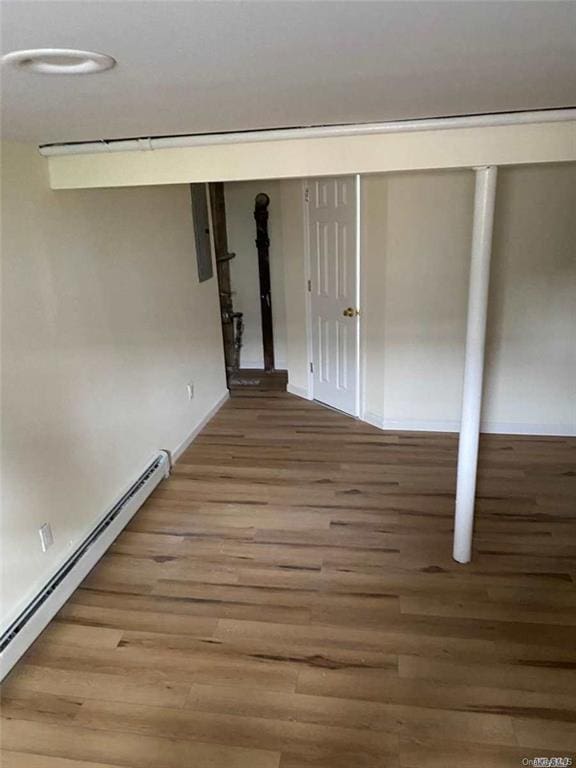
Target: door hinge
{"points": [[307, 195], [311, 368], [309, 286]]}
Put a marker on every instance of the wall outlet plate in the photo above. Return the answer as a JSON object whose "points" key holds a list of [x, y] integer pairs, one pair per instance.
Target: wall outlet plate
{"points": [[190, 390], [46, 537]]}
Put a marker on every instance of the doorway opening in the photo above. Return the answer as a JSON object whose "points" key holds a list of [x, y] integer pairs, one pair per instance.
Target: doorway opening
{"points": [[287, 262], [242, 245]]}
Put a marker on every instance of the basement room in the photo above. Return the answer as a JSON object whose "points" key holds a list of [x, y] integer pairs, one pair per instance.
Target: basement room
{"points": [[288, 384]]}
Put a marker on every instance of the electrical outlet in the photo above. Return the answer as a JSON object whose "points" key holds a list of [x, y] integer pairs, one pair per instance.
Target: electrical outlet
{"points": [[46, 537], [190, 390]]}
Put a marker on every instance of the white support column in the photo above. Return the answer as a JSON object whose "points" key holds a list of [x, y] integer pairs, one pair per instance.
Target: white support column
{"points": [[484, 199]]}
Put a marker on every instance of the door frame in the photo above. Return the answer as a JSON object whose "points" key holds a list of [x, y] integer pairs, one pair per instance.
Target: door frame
{"points": [[360, 296]]}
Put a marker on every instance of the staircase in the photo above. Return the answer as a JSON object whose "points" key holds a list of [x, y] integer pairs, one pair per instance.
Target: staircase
{"points": [[246, 380]]}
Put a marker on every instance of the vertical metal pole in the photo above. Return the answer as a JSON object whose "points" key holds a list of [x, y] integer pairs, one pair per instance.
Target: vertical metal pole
{"points": [[484, 200]]}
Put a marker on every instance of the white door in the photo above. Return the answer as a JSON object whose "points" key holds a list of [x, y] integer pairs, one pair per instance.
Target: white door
{"points": [[334, 290]]}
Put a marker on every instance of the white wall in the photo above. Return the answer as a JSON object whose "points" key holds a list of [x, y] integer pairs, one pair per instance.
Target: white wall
{"points": [[531, 346], [416, 230], [293, 250], [241, 229], [104, 323], [416, 240]]}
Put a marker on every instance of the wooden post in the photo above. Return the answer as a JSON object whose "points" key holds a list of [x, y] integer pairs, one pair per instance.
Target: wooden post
{"points": [[218, 211], [261, 203]]}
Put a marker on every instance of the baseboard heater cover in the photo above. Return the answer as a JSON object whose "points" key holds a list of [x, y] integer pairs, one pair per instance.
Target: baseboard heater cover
{"points": [[39, 612]]}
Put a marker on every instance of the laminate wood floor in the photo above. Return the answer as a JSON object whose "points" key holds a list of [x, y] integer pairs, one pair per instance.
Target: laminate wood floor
{"points": [[287, 599]]}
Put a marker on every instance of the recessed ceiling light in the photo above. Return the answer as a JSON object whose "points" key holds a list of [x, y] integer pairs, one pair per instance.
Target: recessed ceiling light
{"points": [[59, 61]]}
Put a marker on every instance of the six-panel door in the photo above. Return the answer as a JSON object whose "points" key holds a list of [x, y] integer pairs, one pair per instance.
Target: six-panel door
{"points": [[333, 272]]}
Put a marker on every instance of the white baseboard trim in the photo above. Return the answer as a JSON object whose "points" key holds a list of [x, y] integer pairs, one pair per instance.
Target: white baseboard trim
{"points": [[487, 427], [409, 425], [537, 430], [293, 389], [175, 455], [26, 627]]}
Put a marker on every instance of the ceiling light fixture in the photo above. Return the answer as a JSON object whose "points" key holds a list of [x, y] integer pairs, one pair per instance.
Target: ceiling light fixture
{"points": [[59, 61]]}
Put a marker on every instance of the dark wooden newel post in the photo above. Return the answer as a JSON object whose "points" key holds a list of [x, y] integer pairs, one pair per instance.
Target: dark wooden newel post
{"points": [[261, 204]]}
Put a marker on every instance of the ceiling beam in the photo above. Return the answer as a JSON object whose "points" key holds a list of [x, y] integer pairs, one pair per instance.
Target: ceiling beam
{"points": [[462, 147]]}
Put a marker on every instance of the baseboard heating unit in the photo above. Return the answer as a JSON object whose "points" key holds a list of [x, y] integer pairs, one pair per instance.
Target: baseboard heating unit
{"points": [[38, 613]]}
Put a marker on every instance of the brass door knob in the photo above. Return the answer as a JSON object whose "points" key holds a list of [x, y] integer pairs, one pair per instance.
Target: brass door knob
{"points": [[350, 312]]}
